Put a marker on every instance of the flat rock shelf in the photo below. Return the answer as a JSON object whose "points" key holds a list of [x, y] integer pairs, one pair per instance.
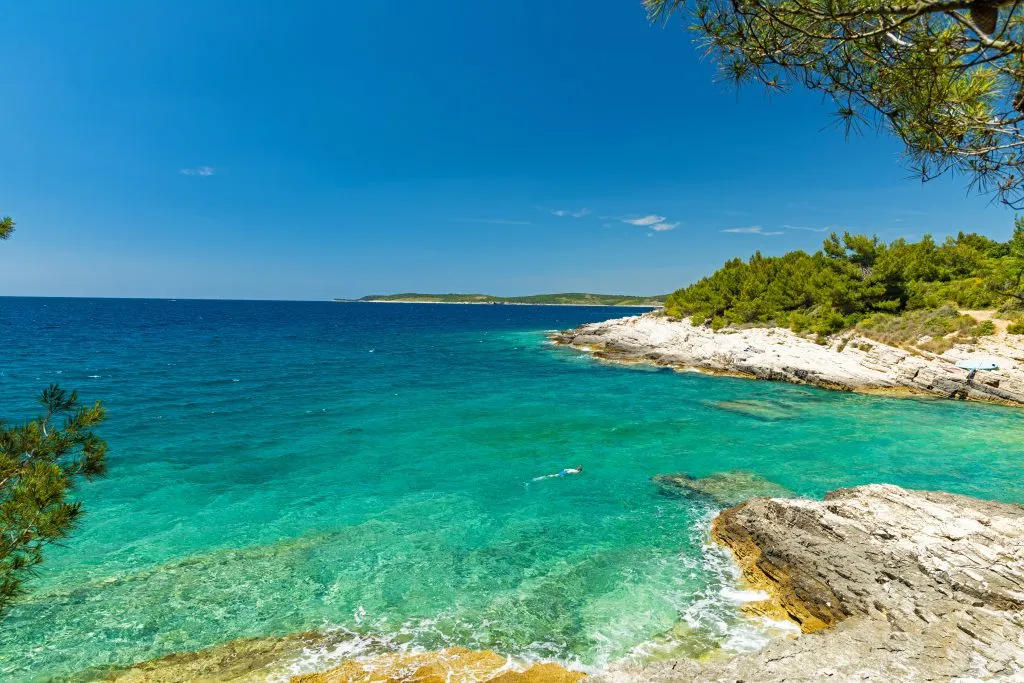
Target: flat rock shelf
{"points": [[852, 364]]}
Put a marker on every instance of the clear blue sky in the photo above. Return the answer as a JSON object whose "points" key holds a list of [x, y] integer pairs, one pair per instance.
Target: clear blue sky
{"points": [[306, 150]]}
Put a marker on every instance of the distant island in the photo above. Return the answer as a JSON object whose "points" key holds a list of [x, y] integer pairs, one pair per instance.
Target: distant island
{"points": [[564, 299]]}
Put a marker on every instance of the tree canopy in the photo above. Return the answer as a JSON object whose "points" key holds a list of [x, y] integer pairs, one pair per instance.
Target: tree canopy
{"points": [[945, 76], [40, 463], [853, 276]]}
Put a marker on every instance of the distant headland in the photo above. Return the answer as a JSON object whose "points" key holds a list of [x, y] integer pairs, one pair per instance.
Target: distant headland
{"points": [[563, 299]]}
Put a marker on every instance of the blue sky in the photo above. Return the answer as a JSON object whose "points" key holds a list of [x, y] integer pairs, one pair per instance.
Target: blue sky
{"points": [[306, 150]]}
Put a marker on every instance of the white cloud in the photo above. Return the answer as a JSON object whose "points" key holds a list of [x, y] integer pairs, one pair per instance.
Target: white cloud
{"points": [[652, 221], [644, 221], [800, 227], [492, 221], [204, 171], [752, 230], [563, 213]]}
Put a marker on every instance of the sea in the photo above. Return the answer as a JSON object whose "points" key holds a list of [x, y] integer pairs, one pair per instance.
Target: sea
{"points": [[380, 470]]}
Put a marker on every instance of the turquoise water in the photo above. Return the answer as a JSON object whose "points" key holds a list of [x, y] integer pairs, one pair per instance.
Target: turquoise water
{"points": [[277, 467]]}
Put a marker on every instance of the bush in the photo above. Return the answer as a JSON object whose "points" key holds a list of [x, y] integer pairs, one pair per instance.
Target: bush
{"points": [[1016, 327], [910, 326], [985, 328]]}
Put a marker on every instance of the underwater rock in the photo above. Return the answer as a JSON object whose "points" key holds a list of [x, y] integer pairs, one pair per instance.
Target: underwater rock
{"points": [[725, 488], [246, 660], [887, 584], [761, 410], [452, 665]]}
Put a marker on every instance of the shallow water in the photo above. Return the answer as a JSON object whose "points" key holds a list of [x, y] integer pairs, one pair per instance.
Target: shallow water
{"points": [[276, 467]]}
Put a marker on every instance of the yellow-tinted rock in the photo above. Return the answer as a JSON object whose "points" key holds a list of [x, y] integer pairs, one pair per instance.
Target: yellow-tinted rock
{"points": [[784, 602], [247, 660], [453, 665], [539, 673]]}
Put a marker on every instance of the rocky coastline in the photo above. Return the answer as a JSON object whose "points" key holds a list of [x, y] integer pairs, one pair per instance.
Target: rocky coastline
{"points": [[846, 363], [885, 583]]}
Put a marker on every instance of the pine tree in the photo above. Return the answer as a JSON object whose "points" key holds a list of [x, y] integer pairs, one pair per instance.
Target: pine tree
{"points": [[40, 463], [944, 76]]}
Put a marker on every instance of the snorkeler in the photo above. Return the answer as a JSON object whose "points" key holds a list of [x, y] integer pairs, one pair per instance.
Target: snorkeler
{"points": [[567, 471]]}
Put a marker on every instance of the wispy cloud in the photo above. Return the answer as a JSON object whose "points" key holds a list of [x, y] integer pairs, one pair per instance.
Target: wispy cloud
{"points": [[570, 214], [492, 221], [752, 230], [807, 229], [204, 171], [650, 219]]}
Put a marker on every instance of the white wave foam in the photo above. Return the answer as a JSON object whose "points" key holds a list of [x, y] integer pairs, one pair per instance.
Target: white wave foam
{"points": [[712, 617]]}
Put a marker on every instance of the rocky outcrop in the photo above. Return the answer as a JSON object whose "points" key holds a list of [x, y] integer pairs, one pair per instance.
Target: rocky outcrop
{"points": [[724, 488], [886, 584], [854, 364], [442, 666]]}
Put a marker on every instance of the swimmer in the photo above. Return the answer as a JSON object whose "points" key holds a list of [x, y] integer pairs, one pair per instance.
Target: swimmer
{"points": [[563, 473]]}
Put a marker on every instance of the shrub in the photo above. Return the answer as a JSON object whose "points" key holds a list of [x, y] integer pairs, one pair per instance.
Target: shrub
{"points": [[985, 328], [910, 326], [1016, 327]]}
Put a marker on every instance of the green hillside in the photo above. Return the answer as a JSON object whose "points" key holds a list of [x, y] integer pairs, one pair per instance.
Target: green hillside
{"points": [[567, 298], [856, 280]]}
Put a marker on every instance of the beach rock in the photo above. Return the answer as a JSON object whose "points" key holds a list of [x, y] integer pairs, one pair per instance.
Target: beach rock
{"points": [[780, 355], [886, 584], [724, 488], [452, 665]]}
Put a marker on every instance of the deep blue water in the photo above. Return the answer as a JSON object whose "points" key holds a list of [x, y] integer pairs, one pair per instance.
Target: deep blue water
{"points": [[279, 466]]}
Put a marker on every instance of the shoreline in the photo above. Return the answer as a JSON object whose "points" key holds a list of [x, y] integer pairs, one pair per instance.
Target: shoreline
{"points": [[875, 582], [848, 362], [487, 303]]}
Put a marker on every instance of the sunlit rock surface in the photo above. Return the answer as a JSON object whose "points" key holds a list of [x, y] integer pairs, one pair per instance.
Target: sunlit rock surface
{"points": [[886, 584], [779, 354]]}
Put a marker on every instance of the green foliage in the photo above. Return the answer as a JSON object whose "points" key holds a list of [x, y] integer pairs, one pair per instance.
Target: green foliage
{"points": [[943, 76], [859, 280], [1016, 327], [910, 326], [40, 462], [986, 328], [6, 227]]}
